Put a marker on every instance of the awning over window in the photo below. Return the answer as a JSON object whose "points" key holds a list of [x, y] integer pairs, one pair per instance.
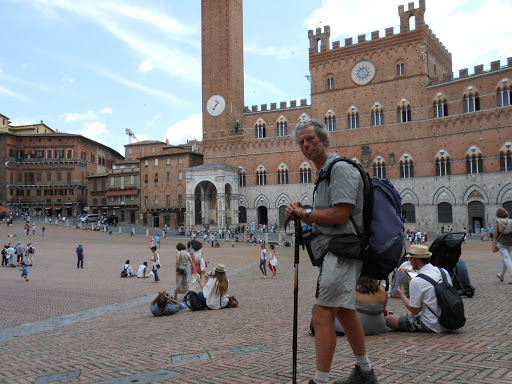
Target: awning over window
{"points": [[124, 192]]}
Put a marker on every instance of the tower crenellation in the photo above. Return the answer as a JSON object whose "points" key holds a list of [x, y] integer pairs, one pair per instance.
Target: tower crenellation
{"points": [[283, 105]]}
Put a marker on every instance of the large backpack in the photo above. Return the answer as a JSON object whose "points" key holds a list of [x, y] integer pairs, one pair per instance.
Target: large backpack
{"points": [[194, 302], [383, 235], [452, 308]]}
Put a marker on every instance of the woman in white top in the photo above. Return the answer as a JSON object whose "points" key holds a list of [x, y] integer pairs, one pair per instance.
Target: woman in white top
{"points": [[156, 263], [215, 291], [272, 264], [263, 261]]}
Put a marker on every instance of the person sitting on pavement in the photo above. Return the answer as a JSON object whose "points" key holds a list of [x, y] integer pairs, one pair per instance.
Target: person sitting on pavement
{"points": [[422, 304], [164, 305], [129, 270], [141, 273], [401, 277], [215, 291]]}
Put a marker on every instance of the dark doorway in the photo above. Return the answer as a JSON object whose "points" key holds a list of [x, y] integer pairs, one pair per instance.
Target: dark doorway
{"points": [[476, 214], [262, 215], [242, 214]]}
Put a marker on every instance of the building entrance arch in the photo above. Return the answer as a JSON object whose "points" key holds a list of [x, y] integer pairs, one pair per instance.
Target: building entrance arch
{"points": [[262, 215], [476, 215]]}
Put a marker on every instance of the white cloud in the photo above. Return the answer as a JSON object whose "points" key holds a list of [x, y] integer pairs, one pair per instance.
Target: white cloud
{"points": [[188, 129], [14, 95], [68, 79], [147, 33], [94, 130], [70, 117], [106, 110], [279, 53], [145, 66], [153, 120]]}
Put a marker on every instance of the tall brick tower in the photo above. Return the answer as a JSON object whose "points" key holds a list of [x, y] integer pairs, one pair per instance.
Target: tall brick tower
{"points": [[223, 71]]}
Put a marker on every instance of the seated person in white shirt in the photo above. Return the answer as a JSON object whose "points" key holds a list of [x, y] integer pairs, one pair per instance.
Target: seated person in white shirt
{"points": [[215, 291], [423, 298], [141, 273], [129, 270]]}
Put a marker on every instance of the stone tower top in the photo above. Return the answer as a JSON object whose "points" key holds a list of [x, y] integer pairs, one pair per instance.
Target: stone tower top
{"points": [[417, 13]]}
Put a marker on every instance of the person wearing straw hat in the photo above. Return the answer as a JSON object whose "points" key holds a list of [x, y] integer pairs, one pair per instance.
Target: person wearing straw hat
{"points": [[215, 291], [422, 303]]}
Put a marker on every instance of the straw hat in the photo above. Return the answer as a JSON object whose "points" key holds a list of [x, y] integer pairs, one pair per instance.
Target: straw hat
{"points": [[220, 268], [419, 251]]}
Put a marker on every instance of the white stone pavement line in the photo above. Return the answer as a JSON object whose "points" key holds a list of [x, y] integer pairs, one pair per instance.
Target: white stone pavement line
{"points": [[28, 329]]}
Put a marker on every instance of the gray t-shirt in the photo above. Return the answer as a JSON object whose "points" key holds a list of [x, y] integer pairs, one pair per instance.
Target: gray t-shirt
{"points": [[346, 186]]}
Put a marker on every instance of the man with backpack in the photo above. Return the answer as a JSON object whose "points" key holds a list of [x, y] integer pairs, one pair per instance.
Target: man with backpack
{"points": [[338, 204], [433, 300]]}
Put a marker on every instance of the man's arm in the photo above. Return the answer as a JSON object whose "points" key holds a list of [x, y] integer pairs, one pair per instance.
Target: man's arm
{"points": [[337, 214], [413, 310]]}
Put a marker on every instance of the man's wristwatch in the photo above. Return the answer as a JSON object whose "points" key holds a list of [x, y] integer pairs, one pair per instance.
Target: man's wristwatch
{"points": [[308, 212]]}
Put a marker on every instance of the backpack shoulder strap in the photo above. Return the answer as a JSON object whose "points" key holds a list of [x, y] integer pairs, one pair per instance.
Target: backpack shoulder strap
{"points": [[427, 278], [368, 201]]}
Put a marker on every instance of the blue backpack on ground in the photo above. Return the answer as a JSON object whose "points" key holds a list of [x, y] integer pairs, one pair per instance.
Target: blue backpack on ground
{"points": [[383, 237]]}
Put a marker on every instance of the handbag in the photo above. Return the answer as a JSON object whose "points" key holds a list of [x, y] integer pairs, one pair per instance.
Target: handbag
{"points": [[494, 245], [232, 302], [180, 271], [158, 266]]}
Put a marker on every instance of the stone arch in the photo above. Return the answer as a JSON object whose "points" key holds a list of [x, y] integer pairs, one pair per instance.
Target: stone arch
{"points": [[242, 201], [505, 194], [475, 193], [261, 201], [282, 199], [409, 196], [503, 84], [306, 199], [444, 195], [304, 116]]}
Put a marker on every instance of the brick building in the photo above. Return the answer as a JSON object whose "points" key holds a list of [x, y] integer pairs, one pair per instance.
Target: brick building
{"points": [[46, 171], [391, 102]]}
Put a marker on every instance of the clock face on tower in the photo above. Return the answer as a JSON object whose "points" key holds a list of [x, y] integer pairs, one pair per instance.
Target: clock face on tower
{"points": [[215, 105], [363, 72]]}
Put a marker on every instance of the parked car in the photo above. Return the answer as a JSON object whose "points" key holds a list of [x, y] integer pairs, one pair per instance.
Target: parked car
{"points": [[90, 218], [110, 220]]}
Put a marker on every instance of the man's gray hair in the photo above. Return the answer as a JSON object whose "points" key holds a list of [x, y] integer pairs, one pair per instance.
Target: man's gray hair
{"points": [[320, 129]]}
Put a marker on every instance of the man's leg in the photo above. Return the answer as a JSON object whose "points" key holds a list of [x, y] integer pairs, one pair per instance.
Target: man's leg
{"points": [[353, 330], [325, 336]]}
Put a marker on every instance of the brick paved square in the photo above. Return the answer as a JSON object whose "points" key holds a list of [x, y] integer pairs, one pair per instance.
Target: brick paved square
{"points": [[94, 322]]}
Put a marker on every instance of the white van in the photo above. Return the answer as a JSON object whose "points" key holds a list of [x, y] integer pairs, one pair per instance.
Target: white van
{"points": [[90, 218]]}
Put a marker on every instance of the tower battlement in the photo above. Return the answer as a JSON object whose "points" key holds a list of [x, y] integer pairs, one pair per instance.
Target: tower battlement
{"points": [[319, 41], [477, 70], [273, 106]]}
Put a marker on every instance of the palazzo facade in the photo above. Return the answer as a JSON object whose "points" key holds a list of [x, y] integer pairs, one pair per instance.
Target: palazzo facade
{"points": [[391, 102]]}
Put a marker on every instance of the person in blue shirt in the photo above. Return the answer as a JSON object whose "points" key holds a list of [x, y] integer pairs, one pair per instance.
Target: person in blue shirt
{"points": [[157, 239], [24, 274], [80, 256], [164, 305]]}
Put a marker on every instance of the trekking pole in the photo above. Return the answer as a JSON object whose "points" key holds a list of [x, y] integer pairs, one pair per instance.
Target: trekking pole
{"points": [[298, 241]]}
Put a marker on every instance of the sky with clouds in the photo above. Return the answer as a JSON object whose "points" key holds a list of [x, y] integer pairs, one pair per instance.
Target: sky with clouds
{"points": [[97, 67]]}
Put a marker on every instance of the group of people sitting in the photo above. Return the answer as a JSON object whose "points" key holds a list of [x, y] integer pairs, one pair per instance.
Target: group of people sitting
{"points": [[190, 268], [214, 294], [417, 294]]}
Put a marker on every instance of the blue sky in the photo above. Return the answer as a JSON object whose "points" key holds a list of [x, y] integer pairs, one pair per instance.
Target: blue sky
{"points": [[98, 67]]}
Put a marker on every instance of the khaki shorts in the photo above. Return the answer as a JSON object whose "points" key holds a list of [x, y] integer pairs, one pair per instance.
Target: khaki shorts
{"points": [[336, 284]]}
